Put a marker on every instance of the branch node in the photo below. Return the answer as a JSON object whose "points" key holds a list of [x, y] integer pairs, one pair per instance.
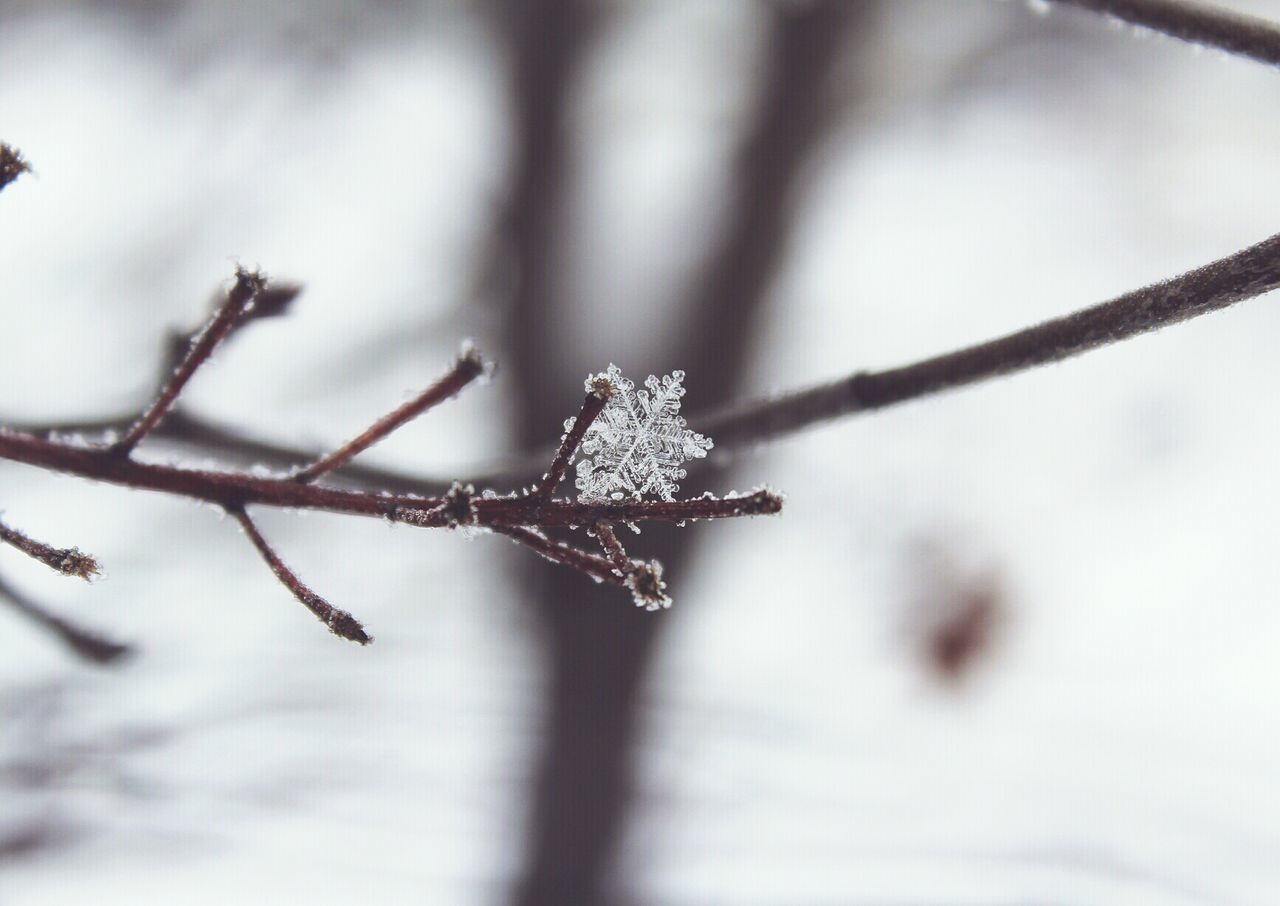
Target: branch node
{"points": [[459, 505]]}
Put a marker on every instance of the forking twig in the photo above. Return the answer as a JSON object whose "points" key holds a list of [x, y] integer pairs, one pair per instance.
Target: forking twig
{"points": [[519, 516]]}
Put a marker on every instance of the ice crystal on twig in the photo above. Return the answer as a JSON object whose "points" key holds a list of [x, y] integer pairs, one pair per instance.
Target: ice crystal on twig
{"points": [[638, 444]]}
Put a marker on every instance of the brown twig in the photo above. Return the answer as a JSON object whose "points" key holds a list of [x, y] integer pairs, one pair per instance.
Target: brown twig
{"points": [[236, 448], [340, 622], [248, 284], [598, 395], [1197, 23], [593, 565], [469, 366], [1248, 273], [84, 643], [613, 548], [70, 561], [230, 490], [648, 589]]}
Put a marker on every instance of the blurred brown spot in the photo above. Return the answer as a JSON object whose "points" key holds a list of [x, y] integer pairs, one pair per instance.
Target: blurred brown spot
{"points": [[957, 614]]}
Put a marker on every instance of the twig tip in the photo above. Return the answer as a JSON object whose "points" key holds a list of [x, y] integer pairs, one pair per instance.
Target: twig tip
{"points": [[601, 387], [76, 562], [648, 589], [344, 625]]}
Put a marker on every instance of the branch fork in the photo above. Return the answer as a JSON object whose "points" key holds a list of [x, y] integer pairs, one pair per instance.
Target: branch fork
{"points": [[524, 518]]}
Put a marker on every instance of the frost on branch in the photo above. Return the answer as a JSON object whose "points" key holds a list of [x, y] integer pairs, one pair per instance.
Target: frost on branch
{"points": [[638, 444]]}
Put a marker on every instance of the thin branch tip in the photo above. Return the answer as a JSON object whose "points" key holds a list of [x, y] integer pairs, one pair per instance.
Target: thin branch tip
{"points": [[602, 388], [648, 589], [599, 390], [345, 626], [471, 359], [340, 622], [80, 565], [230, 314], [465, 370], [69, 561]]}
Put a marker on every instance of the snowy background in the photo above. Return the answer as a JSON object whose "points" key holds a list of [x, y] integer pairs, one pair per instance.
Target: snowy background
{"points": [[1119, 740]]}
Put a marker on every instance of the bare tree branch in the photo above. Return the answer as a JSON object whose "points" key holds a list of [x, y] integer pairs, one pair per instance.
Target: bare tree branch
{"points": [[247, 286], [340, 623], [1248, 273], [468, 367], [1197, 23], [601, 390]]}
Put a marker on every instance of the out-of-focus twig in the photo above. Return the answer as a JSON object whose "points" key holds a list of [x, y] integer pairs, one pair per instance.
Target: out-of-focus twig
{"points": [[84, 643]]}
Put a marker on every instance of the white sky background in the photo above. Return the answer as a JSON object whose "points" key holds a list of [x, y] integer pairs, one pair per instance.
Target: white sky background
{"points": [[1120, 748]]}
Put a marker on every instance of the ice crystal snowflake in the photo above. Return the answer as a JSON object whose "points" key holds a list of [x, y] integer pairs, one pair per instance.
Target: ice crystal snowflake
{"points": [[637, 445]]}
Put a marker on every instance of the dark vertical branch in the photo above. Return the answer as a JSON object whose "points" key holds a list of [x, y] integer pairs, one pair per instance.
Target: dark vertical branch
{"points": [[600, 654], [576, 800], [792, 117]]}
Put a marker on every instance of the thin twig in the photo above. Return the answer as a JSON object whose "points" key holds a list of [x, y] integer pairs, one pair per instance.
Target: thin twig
{"points": [[643, 579], [70, 561], [1248, 273], [1197, 23], [340, 622], [247, 285], [593, 565], [234, 489], [470, 365], [613, 548], [84, 643], [597, 398], [234, 447]]}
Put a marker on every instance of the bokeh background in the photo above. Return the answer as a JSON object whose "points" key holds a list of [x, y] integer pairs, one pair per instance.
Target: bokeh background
{"points": [[1013, 644]]}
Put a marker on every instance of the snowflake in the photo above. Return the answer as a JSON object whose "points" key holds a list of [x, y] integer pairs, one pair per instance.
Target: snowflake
{"points": [[637, 444]]}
